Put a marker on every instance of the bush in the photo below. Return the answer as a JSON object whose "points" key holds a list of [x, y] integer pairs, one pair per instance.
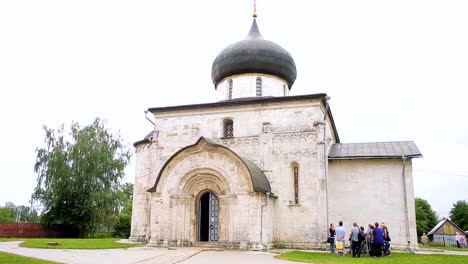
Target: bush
{"points": [[122, 226], [103, 234]]}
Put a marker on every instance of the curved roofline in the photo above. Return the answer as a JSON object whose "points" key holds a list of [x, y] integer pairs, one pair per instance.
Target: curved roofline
{"points": [[147, 139], [260, 182], [254, 54]]}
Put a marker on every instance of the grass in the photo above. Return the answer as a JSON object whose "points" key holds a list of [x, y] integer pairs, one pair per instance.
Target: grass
{"points": [[12, 258], [395, 258], [71, 243], [444, 248]]}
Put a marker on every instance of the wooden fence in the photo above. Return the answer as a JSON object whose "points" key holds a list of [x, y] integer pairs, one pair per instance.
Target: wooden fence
{"points": [[30, 230]]}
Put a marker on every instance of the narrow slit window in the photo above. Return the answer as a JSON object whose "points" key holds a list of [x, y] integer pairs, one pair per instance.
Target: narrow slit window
{"points": [[230, 84], [259, 87], [228, 127], [285, 89], [296, 184]]}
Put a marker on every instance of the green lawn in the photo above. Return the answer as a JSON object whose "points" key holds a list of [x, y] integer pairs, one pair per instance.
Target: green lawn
{"points": [[71, 243], [395, 258], [12, 258], [444, 248]]}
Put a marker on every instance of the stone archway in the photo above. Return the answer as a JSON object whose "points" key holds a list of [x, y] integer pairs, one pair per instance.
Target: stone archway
{"points": [[232, 183]]}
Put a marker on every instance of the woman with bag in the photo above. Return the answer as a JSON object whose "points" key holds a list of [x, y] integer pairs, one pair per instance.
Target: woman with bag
{"points": [[386, 240], [331, 238]]}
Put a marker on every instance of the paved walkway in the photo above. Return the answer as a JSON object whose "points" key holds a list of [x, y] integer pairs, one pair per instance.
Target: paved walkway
{"points": [[150, 255], [136, 255], [234, 257]]}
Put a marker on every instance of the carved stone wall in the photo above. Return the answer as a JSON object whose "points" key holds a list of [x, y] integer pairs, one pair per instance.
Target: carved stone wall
{"points": [[272, 137]]}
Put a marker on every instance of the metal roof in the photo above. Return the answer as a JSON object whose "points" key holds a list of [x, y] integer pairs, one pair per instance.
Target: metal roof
{"points": [[374, 150], [147, 139], [248, 101], [260, 182], [254, 55]]}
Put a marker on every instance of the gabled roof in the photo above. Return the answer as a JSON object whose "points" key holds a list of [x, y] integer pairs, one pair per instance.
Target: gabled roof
{"points": [[441, 223], [374, 150]]}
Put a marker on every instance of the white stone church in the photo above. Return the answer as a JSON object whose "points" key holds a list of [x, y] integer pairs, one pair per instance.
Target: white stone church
{"points": [[260, 168]]}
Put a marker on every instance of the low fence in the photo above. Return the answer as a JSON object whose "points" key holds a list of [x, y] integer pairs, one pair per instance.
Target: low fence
{"points": [[445, 240], [30, 230]]}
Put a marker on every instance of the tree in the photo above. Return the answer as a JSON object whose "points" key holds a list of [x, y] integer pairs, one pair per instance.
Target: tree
{"points": [[123, 223], [459, 214], [426, 218], [6, 214], [125, 196], [10, 213], [26, 214], [78, 176]]}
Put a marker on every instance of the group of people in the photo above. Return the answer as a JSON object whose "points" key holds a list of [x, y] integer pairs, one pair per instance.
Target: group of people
{"points": [[375, 240]]}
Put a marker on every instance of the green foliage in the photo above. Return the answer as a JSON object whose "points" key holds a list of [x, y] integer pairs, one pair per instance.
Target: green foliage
{"points": [[6, 214], [12, 258], [78, 176], [426, 218], [24, 213], [123, 223], [440, 246], [125, 197], [395, 258], [122, 226], [459, 214], [70, 243], [103, 235]]}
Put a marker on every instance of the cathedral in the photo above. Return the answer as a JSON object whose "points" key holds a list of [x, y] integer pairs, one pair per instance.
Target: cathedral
{"points": [[260, 168]]}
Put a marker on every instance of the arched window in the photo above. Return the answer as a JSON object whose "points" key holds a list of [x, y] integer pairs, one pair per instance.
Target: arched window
{"points": [[228, 128], [259, 86], [295, 172], [230, 84]]}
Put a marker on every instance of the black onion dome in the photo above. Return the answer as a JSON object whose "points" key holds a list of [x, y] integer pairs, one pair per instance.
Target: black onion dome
{"points": [[254, 55]]}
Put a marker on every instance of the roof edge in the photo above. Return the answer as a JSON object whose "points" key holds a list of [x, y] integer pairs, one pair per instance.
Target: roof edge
{"points": [[236, 102], [250, 101], [441, 223], [139, 142], [374, 157], [255, 188]]}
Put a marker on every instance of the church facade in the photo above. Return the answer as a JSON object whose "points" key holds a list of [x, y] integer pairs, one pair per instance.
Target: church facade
{"points": [[260, 168]]}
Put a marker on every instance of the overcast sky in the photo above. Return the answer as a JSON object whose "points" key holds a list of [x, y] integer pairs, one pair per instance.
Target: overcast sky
{"points": [[395, 70]]}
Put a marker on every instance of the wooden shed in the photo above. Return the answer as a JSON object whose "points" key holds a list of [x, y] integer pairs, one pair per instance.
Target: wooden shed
{"points": [[444, 233]]}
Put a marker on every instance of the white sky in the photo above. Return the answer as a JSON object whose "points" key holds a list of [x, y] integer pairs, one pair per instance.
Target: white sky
{"points": [[395, 70]]}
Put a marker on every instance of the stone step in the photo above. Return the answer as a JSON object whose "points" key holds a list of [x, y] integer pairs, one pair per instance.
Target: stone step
{"points": [[206, 245]]}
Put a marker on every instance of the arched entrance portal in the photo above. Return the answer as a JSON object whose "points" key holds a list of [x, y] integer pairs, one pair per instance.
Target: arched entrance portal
{"points": [[208, 217]]}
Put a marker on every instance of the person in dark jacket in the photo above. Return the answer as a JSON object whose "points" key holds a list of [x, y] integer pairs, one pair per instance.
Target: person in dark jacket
{"points": [[370, 239], [331, 238], [386, 245], [378, 240], [364, 241], [355, 240]]}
